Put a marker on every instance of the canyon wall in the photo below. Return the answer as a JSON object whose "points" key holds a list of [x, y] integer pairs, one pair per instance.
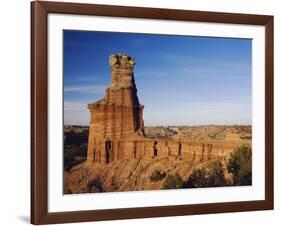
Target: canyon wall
{"points": [[161, 148]]}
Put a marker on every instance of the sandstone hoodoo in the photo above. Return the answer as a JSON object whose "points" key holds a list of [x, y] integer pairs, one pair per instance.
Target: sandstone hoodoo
{"points": [[116, 116], [116, 129]]}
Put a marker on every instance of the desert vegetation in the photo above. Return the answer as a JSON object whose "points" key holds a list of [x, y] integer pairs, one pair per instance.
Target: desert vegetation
{"points": [[157, 175], [213, 175], [75, 146], [238, 168], [240, 165], [173, 182]]}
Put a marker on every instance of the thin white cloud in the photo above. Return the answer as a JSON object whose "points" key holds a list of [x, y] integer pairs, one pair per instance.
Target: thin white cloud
{"points": [[185, 69], [76, 113], [216, 69], [153, 73], [98, 89], [83, 78], [74, 106]]}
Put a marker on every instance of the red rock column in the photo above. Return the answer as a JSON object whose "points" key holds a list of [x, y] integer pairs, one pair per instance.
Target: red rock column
{"points": [[116, 116]]}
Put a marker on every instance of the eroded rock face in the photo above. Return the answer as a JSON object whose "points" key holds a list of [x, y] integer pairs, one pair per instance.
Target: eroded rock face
{"points": [[123, 175], [122, 67], [116, 129], [118, 115]]}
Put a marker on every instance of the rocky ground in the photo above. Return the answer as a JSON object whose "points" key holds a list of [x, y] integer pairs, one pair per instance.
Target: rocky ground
{"points": [[126, 175], [201, 133], [136, 174]]}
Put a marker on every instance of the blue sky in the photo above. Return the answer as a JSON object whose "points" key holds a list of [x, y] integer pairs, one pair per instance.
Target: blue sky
{"points": [[181, 80]]}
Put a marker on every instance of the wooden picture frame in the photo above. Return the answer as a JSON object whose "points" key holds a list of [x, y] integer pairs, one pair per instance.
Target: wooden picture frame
{"points": [[39, 109]]}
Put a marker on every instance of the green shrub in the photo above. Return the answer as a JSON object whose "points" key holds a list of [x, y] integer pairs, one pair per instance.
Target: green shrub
{"points": [[95, 185], [240, 165], [173, 182], [157, 175], [210, 176], [74, 155]]}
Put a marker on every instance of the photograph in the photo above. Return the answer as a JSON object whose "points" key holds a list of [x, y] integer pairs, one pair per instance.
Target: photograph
{"points": [[153, 111], [147, 111]]}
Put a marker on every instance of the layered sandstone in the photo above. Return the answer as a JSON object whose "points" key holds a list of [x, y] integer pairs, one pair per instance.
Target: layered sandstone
{"points": [[118, 115]]}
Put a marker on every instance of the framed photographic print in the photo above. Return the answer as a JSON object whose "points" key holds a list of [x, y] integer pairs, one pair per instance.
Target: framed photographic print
{"points": [[148, 112]]}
